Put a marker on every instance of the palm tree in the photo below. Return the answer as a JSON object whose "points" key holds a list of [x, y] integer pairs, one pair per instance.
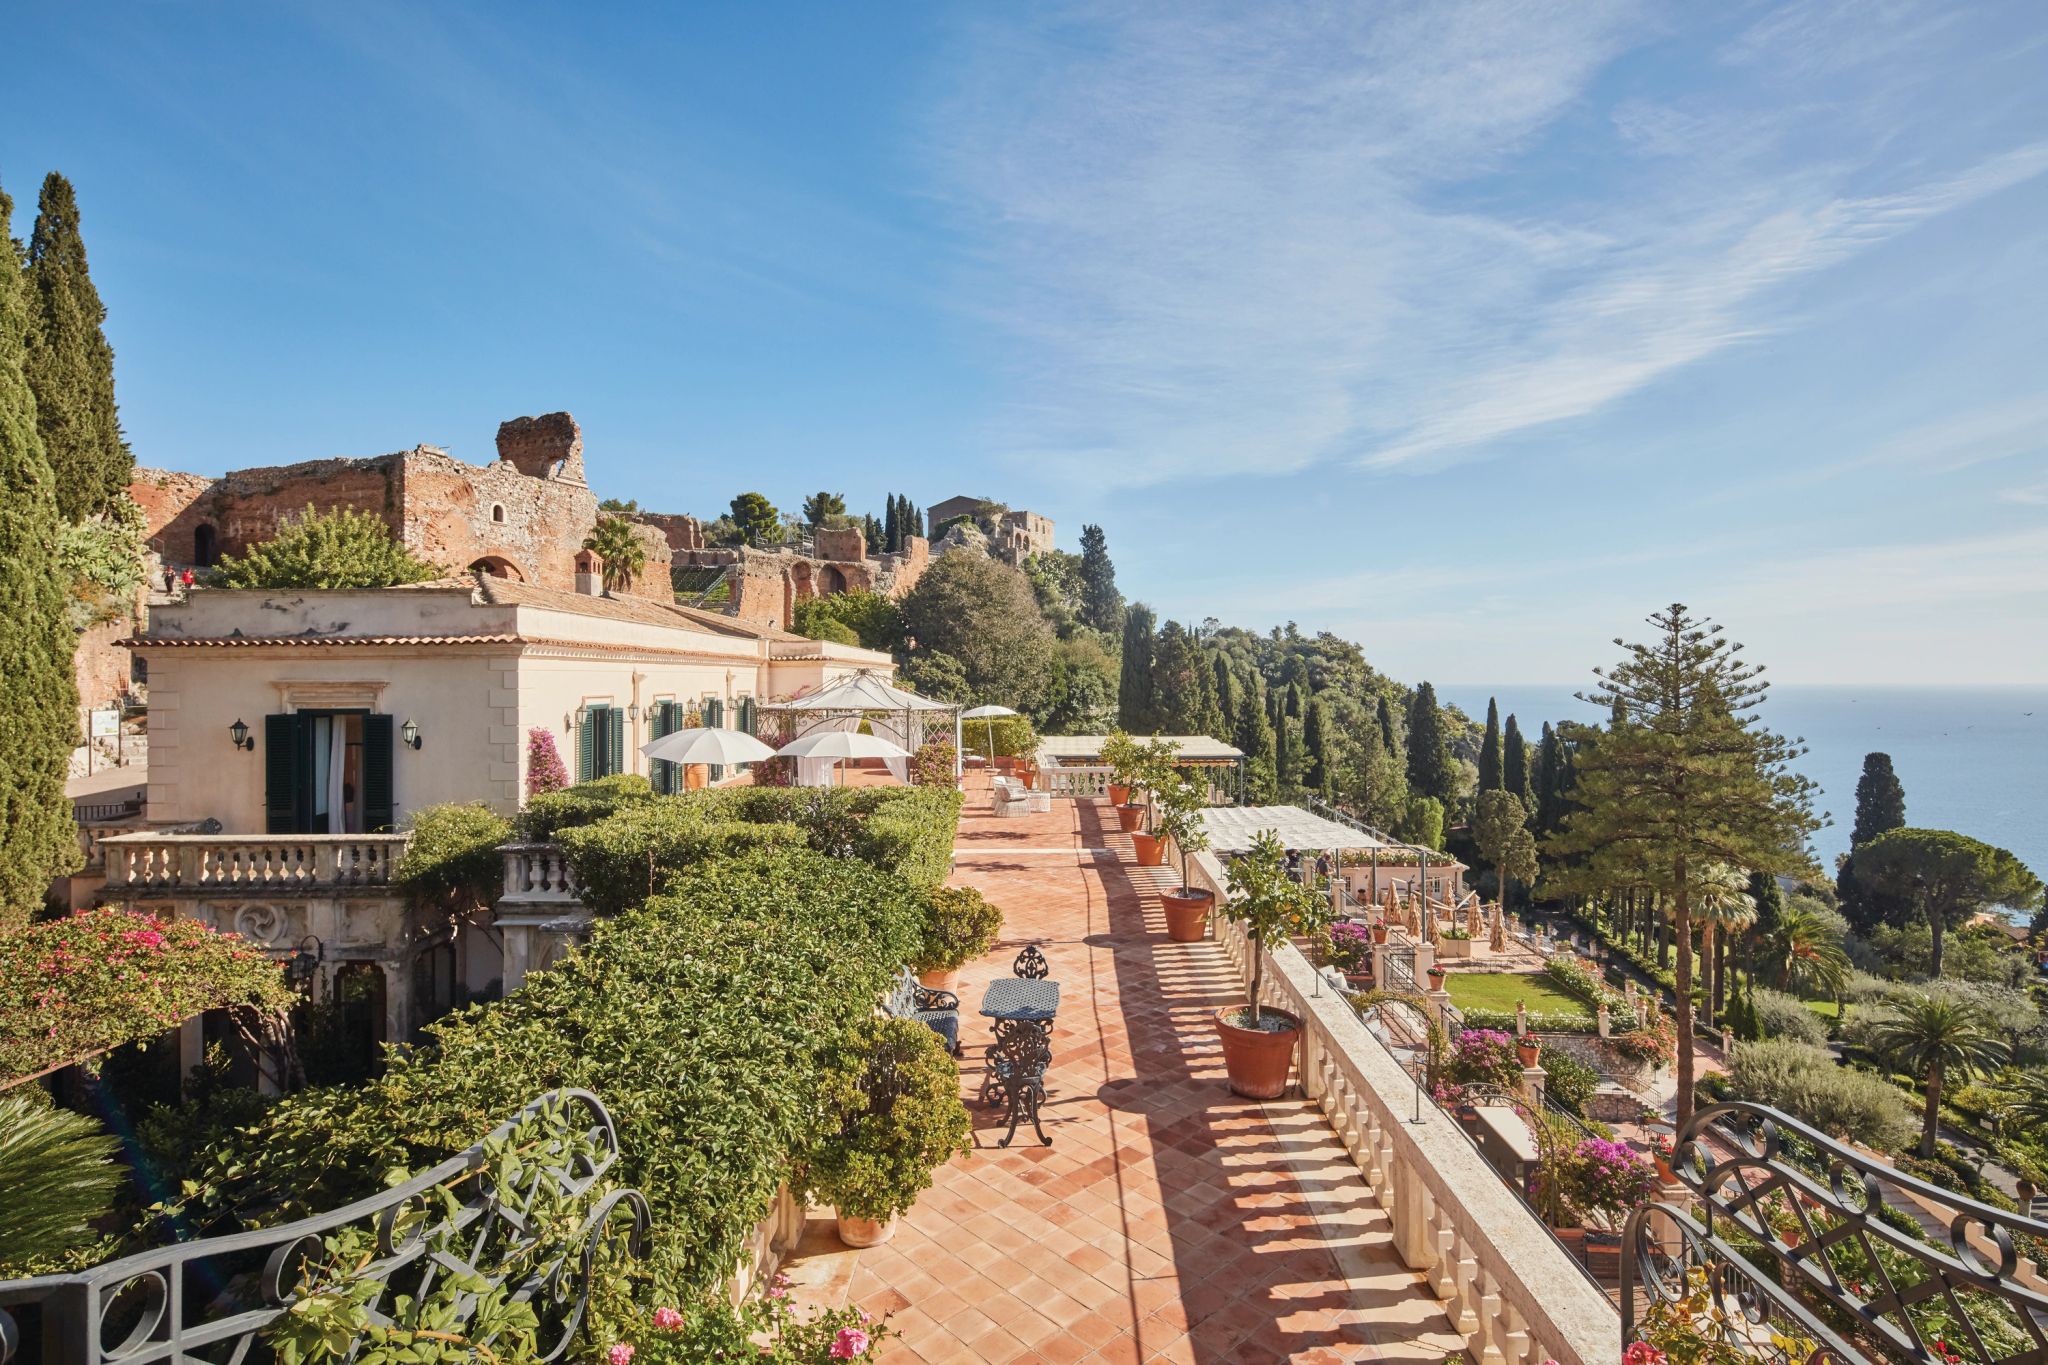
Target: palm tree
{"points": [[60, 1177], [614, 541], [1932, 1035], [1801, 954], [1720, 906], [2026, 1108]]}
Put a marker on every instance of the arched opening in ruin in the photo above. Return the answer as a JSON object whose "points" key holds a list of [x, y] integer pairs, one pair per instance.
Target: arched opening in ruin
{"points": [[497, 566], [205, 545], [497, 511], [830, 581], [800, 580]]}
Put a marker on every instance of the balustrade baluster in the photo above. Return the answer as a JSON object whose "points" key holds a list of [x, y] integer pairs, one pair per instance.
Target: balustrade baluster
{"points": [[1465, 1284], [1443, 1242]]}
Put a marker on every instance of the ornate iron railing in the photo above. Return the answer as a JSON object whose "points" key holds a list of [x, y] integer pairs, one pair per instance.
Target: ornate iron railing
{"points": [[470, 1227], [1820, 1261]]}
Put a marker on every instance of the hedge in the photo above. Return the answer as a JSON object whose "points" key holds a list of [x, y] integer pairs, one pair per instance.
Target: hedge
{"points": [[706, 1020], [1538, 1022], [625, 843], [1807, 1083], [74, 987]]}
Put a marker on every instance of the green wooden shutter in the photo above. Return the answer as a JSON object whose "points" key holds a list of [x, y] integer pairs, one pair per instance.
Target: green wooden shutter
{"points": [[585, 722], [714, 719], [281, 773], [380, 806], [663, 722], [618, 729]]}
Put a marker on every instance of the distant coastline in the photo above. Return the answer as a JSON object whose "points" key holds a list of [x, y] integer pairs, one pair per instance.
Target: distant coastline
{"points": [[1971, 758]]}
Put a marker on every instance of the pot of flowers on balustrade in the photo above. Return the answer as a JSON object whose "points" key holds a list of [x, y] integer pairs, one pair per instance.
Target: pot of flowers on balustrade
{"points": [[959, 926], [1180, 822], [1379, 931], [1456, 941], [1350, 952], [1437, 975], [893, 1115], [1258, 1040]]}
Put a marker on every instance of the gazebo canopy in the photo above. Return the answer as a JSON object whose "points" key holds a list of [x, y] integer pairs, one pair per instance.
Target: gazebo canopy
{"points": [[1231, 829], [861, 692]]}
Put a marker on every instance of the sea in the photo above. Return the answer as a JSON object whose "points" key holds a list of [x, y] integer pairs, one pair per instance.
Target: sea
{"points": [[1972, 759]]}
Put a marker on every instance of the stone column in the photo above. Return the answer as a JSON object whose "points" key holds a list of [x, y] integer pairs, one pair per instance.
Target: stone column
{"points": [[397, 1001], [191, 1049], [518, 950], [1531, 1087]]}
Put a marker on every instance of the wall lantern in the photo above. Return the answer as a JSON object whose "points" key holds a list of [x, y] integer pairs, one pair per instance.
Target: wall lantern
{"points": [[632, 710], [239, 733], [410, 733], [300, 967]]}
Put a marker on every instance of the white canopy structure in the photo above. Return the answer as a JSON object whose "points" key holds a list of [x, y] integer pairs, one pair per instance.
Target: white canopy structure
{"points": [[1231, 829], [903, 718]]}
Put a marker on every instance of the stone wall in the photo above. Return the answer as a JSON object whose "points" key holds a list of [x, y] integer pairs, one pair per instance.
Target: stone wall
{"points": [[683, 533], [546, 447]]}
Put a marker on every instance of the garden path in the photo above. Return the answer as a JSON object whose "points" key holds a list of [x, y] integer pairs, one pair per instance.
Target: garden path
{"points": [[1170, 1220]]}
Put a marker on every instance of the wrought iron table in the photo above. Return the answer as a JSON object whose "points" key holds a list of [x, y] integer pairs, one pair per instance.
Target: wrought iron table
{"points": [[1013, 997]]}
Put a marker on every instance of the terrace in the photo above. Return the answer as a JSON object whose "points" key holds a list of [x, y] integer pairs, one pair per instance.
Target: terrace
{"points": [[1171, 1220]]}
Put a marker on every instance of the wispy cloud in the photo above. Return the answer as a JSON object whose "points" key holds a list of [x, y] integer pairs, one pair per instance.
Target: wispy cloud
{"points": [[1231, 242]]}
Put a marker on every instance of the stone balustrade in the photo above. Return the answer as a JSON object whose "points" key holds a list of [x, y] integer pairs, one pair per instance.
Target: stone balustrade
{"points": [[173, 864], [1078, 783], [539, 874], [1505, 1283]]}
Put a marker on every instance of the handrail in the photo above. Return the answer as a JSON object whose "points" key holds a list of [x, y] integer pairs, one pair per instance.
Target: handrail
{"points": [[1507, 1285]]}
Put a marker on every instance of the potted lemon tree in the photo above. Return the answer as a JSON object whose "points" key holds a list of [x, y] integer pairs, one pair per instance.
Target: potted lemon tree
{"points": [[1180, 820], [1123, 758], [1258, 1040], [1153, 774], [893, 1116], [959, 926]]}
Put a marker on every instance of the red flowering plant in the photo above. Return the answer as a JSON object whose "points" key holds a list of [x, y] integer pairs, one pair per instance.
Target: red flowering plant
{"points": [[73, 988], [766, 1328]]}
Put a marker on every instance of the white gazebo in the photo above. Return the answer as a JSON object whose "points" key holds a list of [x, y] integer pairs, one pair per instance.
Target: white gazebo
{"points": [[904, 718]]}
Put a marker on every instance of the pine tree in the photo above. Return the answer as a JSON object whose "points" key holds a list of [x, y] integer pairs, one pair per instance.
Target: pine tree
{"points": [[38, 701], [1183, 695], [1489, 750], [1432, 772], [1514, 765], [1684, 783], [1136, 710], [69, 365], [1372, 779], [1315, 743], [1102, 606], [1880, 800]]}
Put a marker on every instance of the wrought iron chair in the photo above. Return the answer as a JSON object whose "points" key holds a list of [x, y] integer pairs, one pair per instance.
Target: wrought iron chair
{"points": [[1031, 964], [937, 1010], [1016, 1074]]}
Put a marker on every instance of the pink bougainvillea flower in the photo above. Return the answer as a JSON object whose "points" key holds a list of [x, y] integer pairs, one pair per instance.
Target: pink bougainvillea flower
{"points": [[667, 1319], [621, 1353], [1642, 1353], [850, 1342]]}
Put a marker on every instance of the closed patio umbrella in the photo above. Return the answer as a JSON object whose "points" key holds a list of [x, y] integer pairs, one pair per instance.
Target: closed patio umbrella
{"points": [[718, 747]]}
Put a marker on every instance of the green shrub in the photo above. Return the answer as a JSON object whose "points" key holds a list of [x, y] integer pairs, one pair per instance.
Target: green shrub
{"points": [[894, 1106], [587, 803], [1779, 1015], [640, 851], [452, 861], [1807, 1083], [959, 926], [707, 1020], [1569, 1081], [1005, 736]]}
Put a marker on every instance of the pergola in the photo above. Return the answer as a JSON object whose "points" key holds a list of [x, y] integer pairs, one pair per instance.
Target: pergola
{"points": [[890, 712], [1231, 829], [1190, 751]]}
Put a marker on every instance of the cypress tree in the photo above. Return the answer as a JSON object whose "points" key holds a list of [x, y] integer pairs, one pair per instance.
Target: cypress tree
{"points": [[1769, 900], [69, 365], [1135, 707], [1880, 800], [1432, 772], [1227, 702], [892, 525], [914, 520], [1550, 804], [38, 701], [1387, 735], [1489, 750], [1294, 701], [1315, 742], [1514, 765], [1288, 756], [1102, 606]]}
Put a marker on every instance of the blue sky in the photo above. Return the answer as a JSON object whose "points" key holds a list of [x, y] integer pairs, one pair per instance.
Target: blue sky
{"points": [[1472, 332]]}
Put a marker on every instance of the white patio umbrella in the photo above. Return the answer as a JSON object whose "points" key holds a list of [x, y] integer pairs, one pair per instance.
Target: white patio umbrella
{"points": [[841, 744], [718, 747], [988, 731]]}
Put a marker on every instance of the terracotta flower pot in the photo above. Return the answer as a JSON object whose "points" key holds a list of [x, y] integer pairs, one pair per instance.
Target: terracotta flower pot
{"points": [[1148, 849], [1358, 981], [1528, 1052], [1118, 794], [1379, 933], [1027, 774], [942, 980], [1129, 816], [1187, 914], [865, 1232], [1258, 1060], [1574, 1240], [1436, 978], [1663, 1163]]}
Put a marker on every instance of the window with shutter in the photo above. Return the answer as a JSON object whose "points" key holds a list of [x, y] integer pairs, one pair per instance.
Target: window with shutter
{"points": [[586, 729], [665, 719], [284, 775], [380, 805], [617, 720]]}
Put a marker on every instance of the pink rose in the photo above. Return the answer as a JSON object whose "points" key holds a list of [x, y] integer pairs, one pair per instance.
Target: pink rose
{"points": [[621, 1353], [667, 1319], [850, 1342]]}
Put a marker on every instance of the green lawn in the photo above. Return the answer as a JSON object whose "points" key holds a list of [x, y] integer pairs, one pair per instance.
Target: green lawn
{"points": [[1826, 1009], [1500, 991]]}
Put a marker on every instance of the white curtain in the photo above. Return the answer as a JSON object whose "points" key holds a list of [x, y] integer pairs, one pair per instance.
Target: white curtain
{"points": [[337, 762], [892, 729]]}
